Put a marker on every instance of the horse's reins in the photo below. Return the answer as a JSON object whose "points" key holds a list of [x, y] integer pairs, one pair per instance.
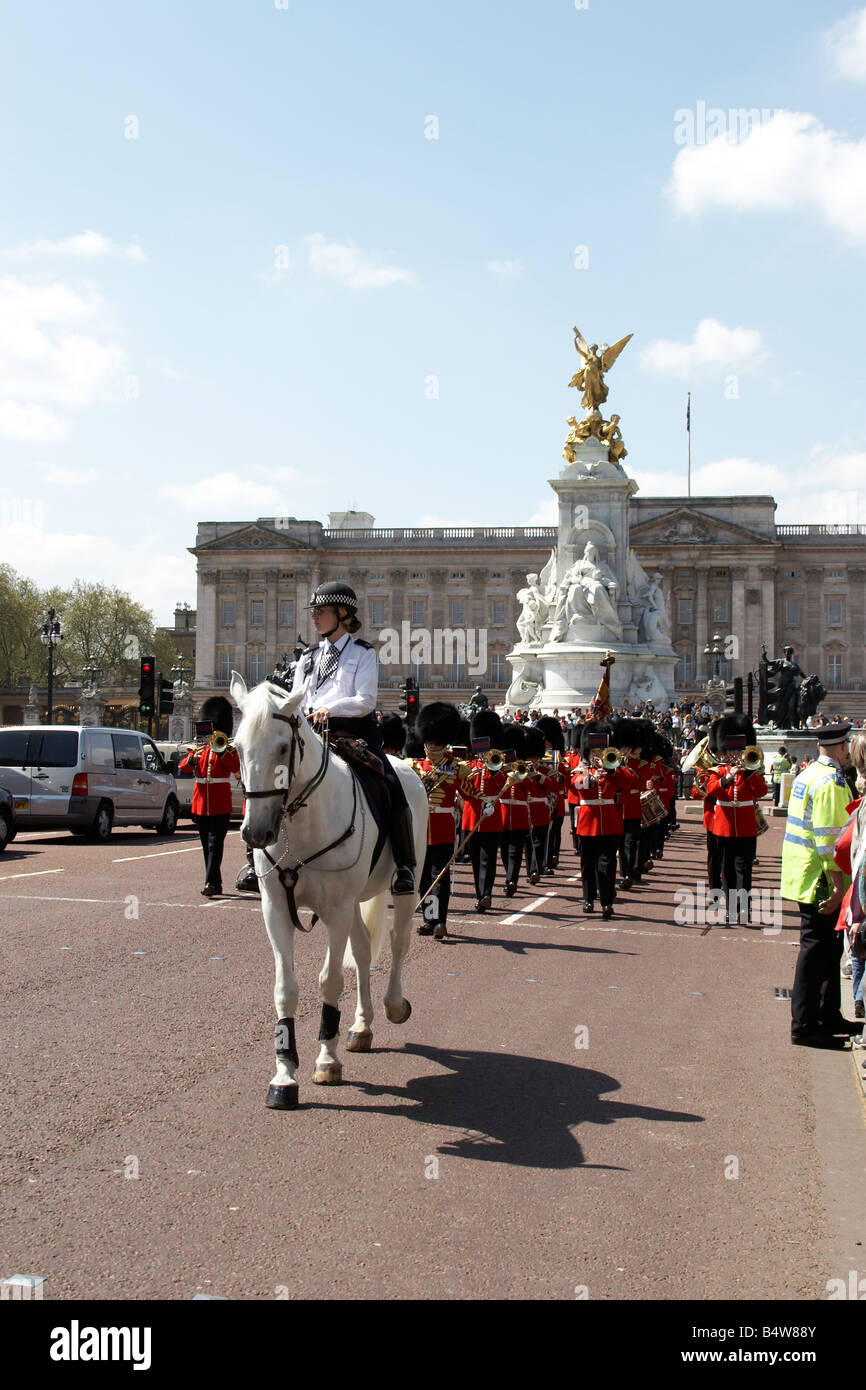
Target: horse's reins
{"points": [[289, 876]]}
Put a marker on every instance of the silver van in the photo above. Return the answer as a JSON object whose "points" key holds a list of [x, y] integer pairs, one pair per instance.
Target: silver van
{"points": [[71, 776]]}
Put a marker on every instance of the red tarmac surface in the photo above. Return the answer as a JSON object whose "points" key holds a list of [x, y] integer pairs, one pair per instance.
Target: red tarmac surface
{"points": [[146, 1043]]}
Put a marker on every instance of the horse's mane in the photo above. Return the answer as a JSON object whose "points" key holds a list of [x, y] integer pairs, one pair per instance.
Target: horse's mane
{"points": [[261, 704]]}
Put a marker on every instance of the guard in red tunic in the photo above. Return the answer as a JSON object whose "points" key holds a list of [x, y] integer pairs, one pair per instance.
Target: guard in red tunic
{"points": [[554, 743], [439, 728], [515, 808], [626, 739], [599, 817], [736, 791], [572, 762], [540, 784], [212, 793], [699, 793], [481, 804]]}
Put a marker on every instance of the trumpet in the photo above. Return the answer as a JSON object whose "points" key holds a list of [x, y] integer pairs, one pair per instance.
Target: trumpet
{"points": [[751, 759], [493, 760], [217, 741], [610, 759], [519, 771]]}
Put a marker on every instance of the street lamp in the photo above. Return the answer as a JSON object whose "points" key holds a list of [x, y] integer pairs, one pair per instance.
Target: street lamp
{"points": [[715, 652], [181, 669], [50, 636]]}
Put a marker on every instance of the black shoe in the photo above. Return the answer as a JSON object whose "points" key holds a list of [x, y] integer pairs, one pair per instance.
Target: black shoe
{"points": [[606, 913], [547, 871], [247, 881], [588, 906], [486, 903], [425, 929], [510, 890], [859, 1011], [823, 1040], [625, 884], [840, 1025], [210, 890], [533, 879], [403, 883], [647, 867], [479, 906]]}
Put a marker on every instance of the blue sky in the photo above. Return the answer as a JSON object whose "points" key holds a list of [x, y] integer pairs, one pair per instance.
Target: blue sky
{"points": [[239, 311]]}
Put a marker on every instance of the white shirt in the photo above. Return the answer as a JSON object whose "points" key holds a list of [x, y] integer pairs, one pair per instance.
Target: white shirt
{"points": [[353, 689]]}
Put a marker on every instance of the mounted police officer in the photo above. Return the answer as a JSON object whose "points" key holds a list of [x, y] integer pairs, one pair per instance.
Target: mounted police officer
{"points": [[341, 676]]}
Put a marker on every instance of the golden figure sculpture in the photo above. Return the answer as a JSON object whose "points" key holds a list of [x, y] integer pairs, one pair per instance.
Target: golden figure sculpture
{"points": [[590, 378], [611, 435]]}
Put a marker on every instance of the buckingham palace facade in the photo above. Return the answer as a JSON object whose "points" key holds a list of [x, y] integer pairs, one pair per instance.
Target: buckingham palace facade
{"points": [[728, 572]]}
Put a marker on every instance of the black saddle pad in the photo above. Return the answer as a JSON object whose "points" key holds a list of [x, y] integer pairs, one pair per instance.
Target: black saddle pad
{"points": [[368, 769]]}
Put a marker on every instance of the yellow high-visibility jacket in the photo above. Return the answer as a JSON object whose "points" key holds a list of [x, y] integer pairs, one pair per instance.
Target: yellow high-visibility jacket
{"points": [[816, 816]]}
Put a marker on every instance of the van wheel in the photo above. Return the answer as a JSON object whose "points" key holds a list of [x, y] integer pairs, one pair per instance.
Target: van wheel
{"points": [[168, 824], [5, 830], [102, 821]]}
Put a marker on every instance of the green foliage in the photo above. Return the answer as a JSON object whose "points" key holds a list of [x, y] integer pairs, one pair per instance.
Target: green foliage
{"points": [[98, 621]]}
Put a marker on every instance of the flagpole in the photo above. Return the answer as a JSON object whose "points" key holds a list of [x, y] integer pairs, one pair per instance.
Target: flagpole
{"points": [[689, 437]]}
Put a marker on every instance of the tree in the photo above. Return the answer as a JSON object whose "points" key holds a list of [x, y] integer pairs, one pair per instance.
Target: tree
{"points": [[98, 621], [21, 617]]}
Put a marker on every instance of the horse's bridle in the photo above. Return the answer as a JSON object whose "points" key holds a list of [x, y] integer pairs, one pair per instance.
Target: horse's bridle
{"points": [[289, 877]]}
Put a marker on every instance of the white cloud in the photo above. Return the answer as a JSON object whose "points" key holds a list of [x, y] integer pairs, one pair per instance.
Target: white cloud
{"points": [[505, 270], [152, 577], [800, 489], [53, 352], [346, 261], [546, 513], [788, 162], [713, 345], [225, 496], [845, 43], [87, 245]]}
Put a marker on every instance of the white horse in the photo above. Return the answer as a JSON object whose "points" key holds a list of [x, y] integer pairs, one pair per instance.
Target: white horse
{"points": [[312, 808]]}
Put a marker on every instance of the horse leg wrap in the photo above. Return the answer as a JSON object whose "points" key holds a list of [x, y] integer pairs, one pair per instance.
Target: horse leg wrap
{"points": [[284, 1041], [330, 1024]]}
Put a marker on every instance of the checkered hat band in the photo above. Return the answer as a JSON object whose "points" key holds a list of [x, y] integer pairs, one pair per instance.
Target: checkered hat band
{"points": [[328, 600]]}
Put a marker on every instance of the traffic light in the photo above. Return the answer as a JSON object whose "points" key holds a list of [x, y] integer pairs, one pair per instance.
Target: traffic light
{"points": [[409, 701], [734, 696], [147, 688], [166, 696], [768, 694]]}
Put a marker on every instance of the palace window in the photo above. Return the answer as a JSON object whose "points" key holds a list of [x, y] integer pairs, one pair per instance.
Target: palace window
{"points": [[256, 666], [225, 666], [257, 612], [458, 612], [684, 612], [498, 674], [287, 612], [287, 574], [498, 606], [720, 610], [834, 671], [416, 669], [685, 667], [417, 612], [377, 612], [228, 612], [458, 574], [458, 672], [258, 578], [835, 574], [377, 579], [418, 574], [792, 612], [834, 612]]}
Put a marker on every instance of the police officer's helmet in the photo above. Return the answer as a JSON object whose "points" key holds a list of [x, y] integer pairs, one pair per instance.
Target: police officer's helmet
{"points": [[337, 595]]}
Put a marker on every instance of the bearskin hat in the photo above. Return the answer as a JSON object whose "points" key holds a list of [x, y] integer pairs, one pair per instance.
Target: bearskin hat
{"points": [[513, 737], [219, 712], [713, 744], [392, 731], [438, 723], [626, 733], [595, 728], [551, 730], [413, 747], [735, 726], [533, 741], [487, 724]]}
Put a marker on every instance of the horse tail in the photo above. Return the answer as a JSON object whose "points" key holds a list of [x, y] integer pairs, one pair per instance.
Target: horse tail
{"points": [[373, 915]]}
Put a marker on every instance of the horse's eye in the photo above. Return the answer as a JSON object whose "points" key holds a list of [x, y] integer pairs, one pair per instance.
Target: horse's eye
{"points": [[283, 748]]}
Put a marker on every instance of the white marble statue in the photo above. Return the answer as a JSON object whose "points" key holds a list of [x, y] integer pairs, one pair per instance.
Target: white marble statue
{"points": [[654, 622], [534, 613], [587, 597]]}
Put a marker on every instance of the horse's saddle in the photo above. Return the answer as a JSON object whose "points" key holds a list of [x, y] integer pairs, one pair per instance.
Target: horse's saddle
{"points": [[368, 769]]}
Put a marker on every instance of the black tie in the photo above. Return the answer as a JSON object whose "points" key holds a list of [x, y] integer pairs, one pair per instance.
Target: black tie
{"points": [[328, 664]]}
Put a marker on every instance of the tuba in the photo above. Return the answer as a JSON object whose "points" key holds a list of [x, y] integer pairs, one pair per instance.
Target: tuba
{"points": [[700, 758]]}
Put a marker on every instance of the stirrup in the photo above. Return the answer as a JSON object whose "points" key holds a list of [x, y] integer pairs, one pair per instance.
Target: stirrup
{"points": [[403, 882]]}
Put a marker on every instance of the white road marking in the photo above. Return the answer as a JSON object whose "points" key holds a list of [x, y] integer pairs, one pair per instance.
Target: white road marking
{"points": [[539, 902], [56, 898], [158, 854], [35, 873]]}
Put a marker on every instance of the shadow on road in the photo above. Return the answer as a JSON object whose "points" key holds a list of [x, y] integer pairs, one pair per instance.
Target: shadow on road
{"points": [[511, 1109], [520, 948]]}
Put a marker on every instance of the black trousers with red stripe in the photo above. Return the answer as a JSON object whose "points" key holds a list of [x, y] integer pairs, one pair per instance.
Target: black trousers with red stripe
{"points": [[598, 867]]}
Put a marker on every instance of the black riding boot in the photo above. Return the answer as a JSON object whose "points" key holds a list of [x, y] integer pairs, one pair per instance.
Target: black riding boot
{"points": [[403, 846], [247, 880]]}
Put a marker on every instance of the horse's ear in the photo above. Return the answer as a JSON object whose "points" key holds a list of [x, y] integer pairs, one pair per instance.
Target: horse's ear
{"points": [[238, 689]]}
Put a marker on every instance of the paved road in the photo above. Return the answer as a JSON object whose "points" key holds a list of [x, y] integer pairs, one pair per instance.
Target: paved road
{"points": [[481, 1151]]}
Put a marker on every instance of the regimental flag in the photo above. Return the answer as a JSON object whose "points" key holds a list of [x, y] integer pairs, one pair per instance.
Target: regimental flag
{"points": [[599, 707]]}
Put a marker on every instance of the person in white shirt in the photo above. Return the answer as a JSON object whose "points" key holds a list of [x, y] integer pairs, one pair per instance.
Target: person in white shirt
{"points": [[341, 677]]}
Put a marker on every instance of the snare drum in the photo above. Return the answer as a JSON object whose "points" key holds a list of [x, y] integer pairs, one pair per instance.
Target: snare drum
{"points": [[651, 808]]}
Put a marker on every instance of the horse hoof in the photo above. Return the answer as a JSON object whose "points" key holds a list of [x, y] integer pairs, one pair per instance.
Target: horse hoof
{"points": [[331, 1074], [282, 1098], [362, 1041], [400, 1016]]}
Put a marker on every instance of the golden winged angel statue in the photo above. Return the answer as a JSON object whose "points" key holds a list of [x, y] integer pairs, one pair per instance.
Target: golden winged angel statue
{"points": [[590, 377]]}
